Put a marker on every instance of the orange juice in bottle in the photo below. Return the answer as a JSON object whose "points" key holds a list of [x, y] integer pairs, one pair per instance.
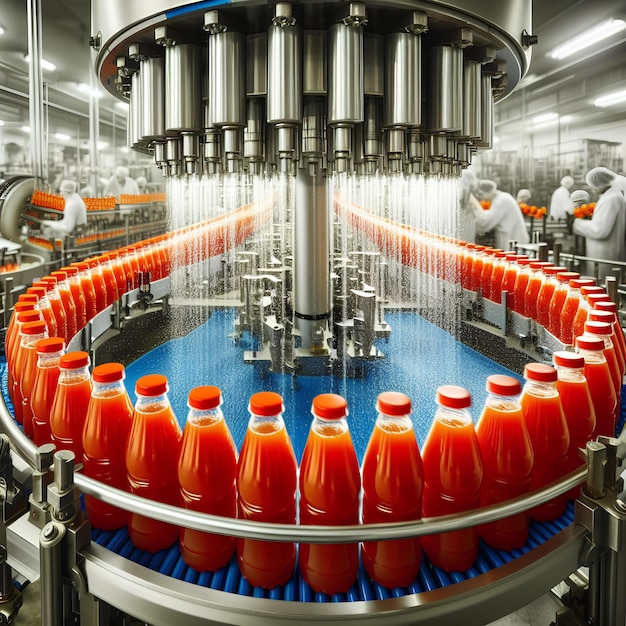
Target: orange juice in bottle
{"points": [[267, 483]]}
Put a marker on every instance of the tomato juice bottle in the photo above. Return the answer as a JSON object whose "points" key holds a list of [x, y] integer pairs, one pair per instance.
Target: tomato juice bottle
{"points": [[497, 276], [507, 457], [558, 300], [266, 484], [67, 300], [78, 296], [604, 331], [521, 283], [152, 455], [570, 308], [453, 474], [56, 304], [393, 477], [330, 485], [549, 435], [88, 289], [601, 387], [577, 405], [105, 434], [207, 469], [69, 406], [596, 315], [535, 281], [49, 352], [43, 304], [546, 292], [619, 331]]}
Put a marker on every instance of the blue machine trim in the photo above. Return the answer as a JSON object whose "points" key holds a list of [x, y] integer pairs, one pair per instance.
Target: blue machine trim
{"points": [[190, 8]]}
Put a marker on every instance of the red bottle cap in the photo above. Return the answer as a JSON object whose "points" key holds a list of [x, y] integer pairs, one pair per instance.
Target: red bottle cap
{"points": [[393, 403], [266, 404], [51, 280], [33, 328], [592, 298], [108, 373], [82, 267], [525, 261], [70, 270], [27, 297], [577, 283], [44, 284], [553, 270], [587, 289], [59, 274], [538, 265], [503, 385], [540, 372], [596, 315], [605, 305], [204, 398], [565, 277], [454, 397], [38, 291], [329, 406], [151, 385], [598, 328], [28, 316], [20, 307], [74, 360], [50, 344], [585, 342], [564, 358]]}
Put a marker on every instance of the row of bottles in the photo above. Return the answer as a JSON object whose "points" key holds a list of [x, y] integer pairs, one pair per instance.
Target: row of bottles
{"points": [[524, 439]]}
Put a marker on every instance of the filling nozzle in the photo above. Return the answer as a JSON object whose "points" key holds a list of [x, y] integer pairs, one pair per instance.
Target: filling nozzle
{"points": [[191, 152]]}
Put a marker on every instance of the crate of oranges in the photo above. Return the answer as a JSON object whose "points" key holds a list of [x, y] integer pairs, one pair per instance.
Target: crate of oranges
{"points": [[584, 210]]}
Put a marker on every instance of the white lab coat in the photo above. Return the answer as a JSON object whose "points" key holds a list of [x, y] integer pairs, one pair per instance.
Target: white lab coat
{"points": [[560, 204], [74, 214], [505, 218], [604, 233], [113, 188]]}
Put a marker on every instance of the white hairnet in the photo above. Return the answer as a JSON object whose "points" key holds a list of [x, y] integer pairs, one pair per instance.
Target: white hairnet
{"points": [[599, 177], [487, 186], [523, 195], [141, 181], [580, 196], [567, 182], [121, 171], [67, 186]]}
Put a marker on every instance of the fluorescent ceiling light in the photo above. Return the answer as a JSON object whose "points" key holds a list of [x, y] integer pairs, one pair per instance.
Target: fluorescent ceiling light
{"points": [[1, 30], [45, 64], [610, 99], [122, 106], [552, 116], [1, 123], [62, 136], [588, 38], [85, 88], [26, 129]]}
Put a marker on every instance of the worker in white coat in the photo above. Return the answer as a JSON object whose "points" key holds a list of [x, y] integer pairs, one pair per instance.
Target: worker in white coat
{"points": [[604, 233], [74, 213], [560, 203], [121, 183], [504, 216]]}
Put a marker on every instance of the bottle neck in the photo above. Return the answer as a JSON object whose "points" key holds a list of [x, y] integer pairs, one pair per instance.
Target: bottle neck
{"points": [[102, 390], [394, 423], [592, 356], [266, 424], [539, 388], [570, 374], [73, 376], [207, 417], [152, 404], [503, 403], [453, 417], [49, 359], [329, 427]]}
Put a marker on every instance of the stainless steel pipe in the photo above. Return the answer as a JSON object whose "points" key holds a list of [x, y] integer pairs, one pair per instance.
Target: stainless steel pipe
{"points": [[403, 80], [444, 108], [152, 99], [183, 88]]}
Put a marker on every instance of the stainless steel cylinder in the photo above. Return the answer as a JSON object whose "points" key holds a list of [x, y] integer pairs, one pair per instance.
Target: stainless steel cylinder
{"points": [[444, 108], [403, 80], [394, 140], [372, 128], [313, 127], [183, 87], [256, 65], [314, 76], [284, 74], [152, 84], [253, 133], [135, 110], [345, 74], [472, 96], [486, 113], [311, 272], [227, 79], [374, 64]]}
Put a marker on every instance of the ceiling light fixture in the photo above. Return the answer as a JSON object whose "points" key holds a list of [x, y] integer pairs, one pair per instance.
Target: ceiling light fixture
{"points": [[85, 88], [45, 64], [62, 136], [610, 99], [1, 30], [26, 129], [544, 118], [588, 38]]}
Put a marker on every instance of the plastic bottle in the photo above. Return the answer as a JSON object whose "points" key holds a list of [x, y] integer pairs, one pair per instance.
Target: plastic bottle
{"points": [[69, 306], [330, 485], [207, 469], [507, 457], [49, 352], [267, 482], [71, 399], [477, 267], [43, 304], [88, 289], [25, 367], [152, 456], [393, 477], [105, 433], [596, 315], [510, 275], [100, 288], [521, 283], [601, 387], [570, 308], [549, 435], [58, 310], [108, 275], [535, 280], [22, 312], [546, 292], [453, 474], [558, 300], [467, 258], [604, 331], [78, 296], [486, 271], [497, 276], [577, 406], [608, 305]]}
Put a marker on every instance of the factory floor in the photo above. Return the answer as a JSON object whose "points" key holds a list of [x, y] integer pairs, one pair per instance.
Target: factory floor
{"points": [[541, 612]]}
